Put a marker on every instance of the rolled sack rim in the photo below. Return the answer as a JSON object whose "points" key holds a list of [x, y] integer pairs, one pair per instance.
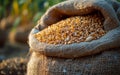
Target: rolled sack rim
{"points": [[80, 6], [110, 40]]}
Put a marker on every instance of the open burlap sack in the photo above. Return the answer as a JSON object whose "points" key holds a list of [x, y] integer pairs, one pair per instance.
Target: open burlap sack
{"points": [[101, 56]]}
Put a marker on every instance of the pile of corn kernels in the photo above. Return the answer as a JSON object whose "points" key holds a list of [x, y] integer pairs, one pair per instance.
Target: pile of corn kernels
{"points": [[73, 30]]}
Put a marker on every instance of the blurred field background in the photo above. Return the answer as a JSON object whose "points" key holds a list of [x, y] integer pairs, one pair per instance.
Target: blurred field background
{"points": [[17, 17]]}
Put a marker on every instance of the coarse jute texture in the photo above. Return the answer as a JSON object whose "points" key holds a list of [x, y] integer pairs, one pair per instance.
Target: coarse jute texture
{"points": [[106, 63], [97, 57], [73, 30]]}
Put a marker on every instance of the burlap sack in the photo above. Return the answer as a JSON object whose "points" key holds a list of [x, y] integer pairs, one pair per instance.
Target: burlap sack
{"points": [[101, 56]]}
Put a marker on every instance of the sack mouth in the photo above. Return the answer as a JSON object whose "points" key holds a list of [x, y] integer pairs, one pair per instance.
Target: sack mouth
{"points": [[111, 24]]}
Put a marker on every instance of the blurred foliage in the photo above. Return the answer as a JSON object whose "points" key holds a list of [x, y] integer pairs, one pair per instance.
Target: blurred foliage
{"points": [[118, 0], [25, 11], [16, 23]]}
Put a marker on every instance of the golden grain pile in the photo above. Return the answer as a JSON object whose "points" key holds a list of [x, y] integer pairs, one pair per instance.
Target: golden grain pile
{"points": [[73, 30]]}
